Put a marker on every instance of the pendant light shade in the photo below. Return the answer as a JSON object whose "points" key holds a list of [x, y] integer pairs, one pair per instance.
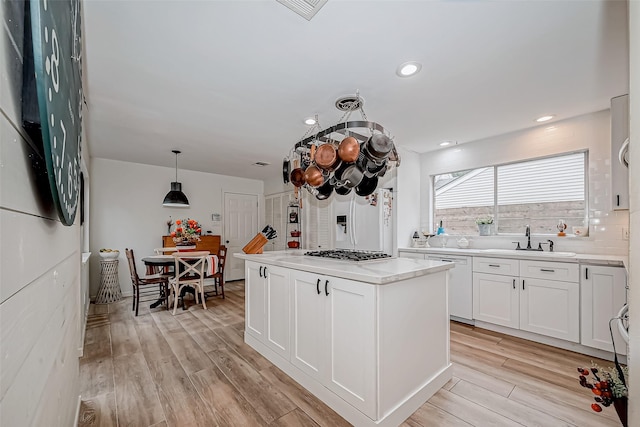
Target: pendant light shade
{"points": [[176, 198]]}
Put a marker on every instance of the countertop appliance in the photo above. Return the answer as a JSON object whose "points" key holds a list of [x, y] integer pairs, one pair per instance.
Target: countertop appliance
{"points": [[349, 255], [364, 223]]}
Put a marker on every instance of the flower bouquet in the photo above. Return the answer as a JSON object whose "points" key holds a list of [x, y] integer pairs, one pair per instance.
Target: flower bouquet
{"points": [[609, 385], [187, 232]]}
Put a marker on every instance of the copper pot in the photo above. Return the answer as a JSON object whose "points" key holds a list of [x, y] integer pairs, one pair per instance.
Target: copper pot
{"points": [[297, 177], [313, 176], [327, 157], [349, 149]]}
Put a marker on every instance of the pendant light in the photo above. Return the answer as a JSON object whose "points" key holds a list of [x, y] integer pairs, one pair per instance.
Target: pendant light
{"points": [[176, 198]]}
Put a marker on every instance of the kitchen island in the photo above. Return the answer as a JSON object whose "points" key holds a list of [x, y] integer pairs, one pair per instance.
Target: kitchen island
{"points": [[370, 339]]}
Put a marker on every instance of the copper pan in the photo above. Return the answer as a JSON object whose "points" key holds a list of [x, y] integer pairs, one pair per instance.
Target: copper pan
{"points": [[297, 177], [313, 176], [349, 149], [326, 157]]}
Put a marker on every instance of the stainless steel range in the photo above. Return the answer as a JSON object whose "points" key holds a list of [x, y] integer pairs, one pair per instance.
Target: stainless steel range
{"points": [[348, 255]]}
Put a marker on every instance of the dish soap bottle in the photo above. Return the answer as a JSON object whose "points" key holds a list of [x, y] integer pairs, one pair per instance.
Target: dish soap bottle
{"points": [[440, 229]]}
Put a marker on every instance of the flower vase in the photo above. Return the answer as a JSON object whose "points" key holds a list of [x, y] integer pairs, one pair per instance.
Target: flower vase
{"points": [[621, 408], [484, 229]]}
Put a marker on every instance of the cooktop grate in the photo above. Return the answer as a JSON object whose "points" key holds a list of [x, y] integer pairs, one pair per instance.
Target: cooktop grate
{"points": [[349, 255]]}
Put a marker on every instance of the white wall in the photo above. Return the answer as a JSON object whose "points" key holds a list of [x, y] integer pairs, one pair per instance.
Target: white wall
{"points": [[39, 270], [127, 212], [634, 189], [407, 197], [590, 132]]}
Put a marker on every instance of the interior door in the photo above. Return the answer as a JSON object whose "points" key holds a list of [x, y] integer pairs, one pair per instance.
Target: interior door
{"points": [[240, 226]]}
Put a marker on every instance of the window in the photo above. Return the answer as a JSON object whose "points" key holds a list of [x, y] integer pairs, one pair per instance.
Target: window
{"points": [[537, 193]]}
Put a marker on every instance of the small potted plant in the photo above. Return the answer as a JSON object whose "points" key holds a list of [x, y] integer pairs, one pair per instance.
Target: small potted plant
{"points": [[484, 225]]}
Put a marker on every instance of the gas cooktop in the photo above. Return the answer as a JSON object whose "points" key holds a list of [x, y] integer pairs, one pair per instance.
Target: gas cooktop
{"points": [[349, 255]]}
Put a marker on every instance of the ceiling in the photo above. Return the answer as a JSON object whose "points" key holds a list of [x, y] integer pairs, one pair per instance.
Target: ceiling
{"points": [[230, 82]]}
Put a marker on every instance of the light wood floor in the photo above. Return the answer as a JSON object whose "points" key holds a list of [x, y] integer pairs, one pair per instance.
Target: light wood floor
{"points": [[193, 369]]}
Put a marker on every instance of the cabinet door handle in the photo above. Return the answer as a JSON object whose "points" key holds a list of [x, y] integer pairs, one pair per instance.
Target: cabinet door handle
{"points": [[586, 273], [523, 284], [318, 286], [548, 270], [618, 199], [494, 265], [265, 272], [261, 271], [446, 260], [514, 283], [326, 292]]}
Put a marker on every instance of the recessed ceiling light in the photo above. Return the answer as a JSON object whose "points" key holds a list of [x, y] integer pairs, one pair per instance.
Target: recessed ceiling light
{"points": [[309, 121], [408, 69], [544, 118], [445, 143]]}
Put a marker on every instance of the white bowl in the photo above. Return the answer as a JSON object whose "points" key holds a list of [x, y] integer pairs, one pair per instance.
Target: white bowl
{"points": [[580, 231], [110, 255]]}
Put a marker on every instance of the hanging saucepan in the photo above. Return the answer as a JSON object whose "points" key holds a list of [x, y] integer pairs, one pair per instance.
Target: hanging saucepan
{"points": [[326, 157], [349, 176], [343, 191], [297, 177], [349, 149], [313, 176], [286, 170], [324, 191], [378, 147], [367, 186]]}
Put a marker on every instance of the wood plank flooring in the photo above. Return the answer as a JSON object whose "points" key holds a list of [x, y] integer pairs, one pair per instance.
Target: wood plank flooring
{"points": [[193, 369]]}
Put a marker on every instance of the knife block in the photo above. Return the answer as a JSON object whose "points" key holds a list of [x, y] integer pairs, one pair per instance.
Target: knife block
{"points": [[255, 245]]}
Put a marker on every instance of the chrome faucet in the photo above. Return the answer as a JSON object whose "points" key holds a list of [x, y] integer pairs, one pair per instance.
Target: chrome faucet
{"points": [[528, 234]]}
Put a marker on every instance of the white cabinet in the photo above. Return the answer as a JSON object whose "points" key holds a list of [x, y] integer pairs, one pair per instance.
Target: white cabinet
{"points": [[603, 293], [496, 299], [537, 296], [551, 308], [267, 306], [619, 133], [334, 336]]}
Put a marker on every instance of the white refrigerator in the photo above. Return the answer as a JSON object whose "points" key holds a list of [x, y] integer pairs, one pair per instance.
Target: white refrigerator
{"points": [[364, 223]]}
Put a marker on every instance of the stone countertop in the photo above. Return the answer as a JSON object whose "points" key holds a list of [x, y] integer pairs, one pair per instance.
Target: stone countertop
{"points": [[378, 272], [594, 259]]}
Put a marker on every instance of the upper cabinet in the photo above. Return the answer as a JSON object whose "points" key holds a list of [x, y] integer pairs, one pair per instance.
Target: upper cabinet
{"points": [[619, 133]]}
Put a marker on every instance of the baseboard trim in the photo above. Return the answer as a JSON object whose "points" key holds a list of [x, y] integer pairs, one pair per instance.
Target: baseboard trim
{"points": [[554, 342]]}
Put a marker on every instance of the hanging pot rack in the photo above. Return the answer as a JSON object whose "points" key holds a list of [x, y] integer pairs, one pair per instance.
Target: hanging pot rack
{"points": [[376, 159]]}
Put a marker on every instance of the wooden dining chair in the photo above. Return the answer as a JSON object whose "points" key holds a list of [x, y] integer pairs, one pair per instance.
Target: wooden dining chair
{"points": [[140, 284], [218, 277], [189, 272]]}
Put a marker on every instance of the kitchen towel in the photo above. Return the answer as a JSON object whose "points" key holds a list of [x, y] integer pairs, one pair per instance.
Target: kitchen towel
{"points": [[212, 265]]}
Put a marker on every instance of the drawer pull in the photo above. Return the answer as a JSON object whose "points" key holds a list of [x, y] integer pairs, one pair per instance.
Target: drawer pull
{"points": [[547, 270], [494, 265], [318, 286]]}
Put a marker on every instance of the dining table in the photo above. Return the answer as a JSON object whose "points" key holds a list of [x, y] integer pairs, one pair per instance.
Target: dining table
{"points": [[167, 262]]}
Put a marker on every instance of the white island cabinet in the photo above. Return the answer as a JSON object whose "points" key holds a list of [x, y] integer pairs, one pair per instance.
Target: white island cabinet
{"points": [[369, 339]]}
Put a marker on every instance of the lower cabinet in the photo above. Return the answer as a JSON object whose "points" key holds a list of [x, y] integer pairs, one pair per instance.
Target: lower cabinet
{"points": [[334, 336], [603, 293], [542, 298], [496, 299], [267, 306]]}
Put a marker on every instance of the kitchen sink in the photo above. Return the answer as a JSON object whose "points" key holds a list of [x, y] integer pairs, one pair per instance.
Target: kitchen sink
{"points": [[529, 253]]}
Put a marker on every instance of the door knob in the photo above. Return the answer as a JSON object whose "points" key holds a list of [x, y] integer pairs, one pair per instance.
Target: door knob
{"points": [[226, 241]]}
